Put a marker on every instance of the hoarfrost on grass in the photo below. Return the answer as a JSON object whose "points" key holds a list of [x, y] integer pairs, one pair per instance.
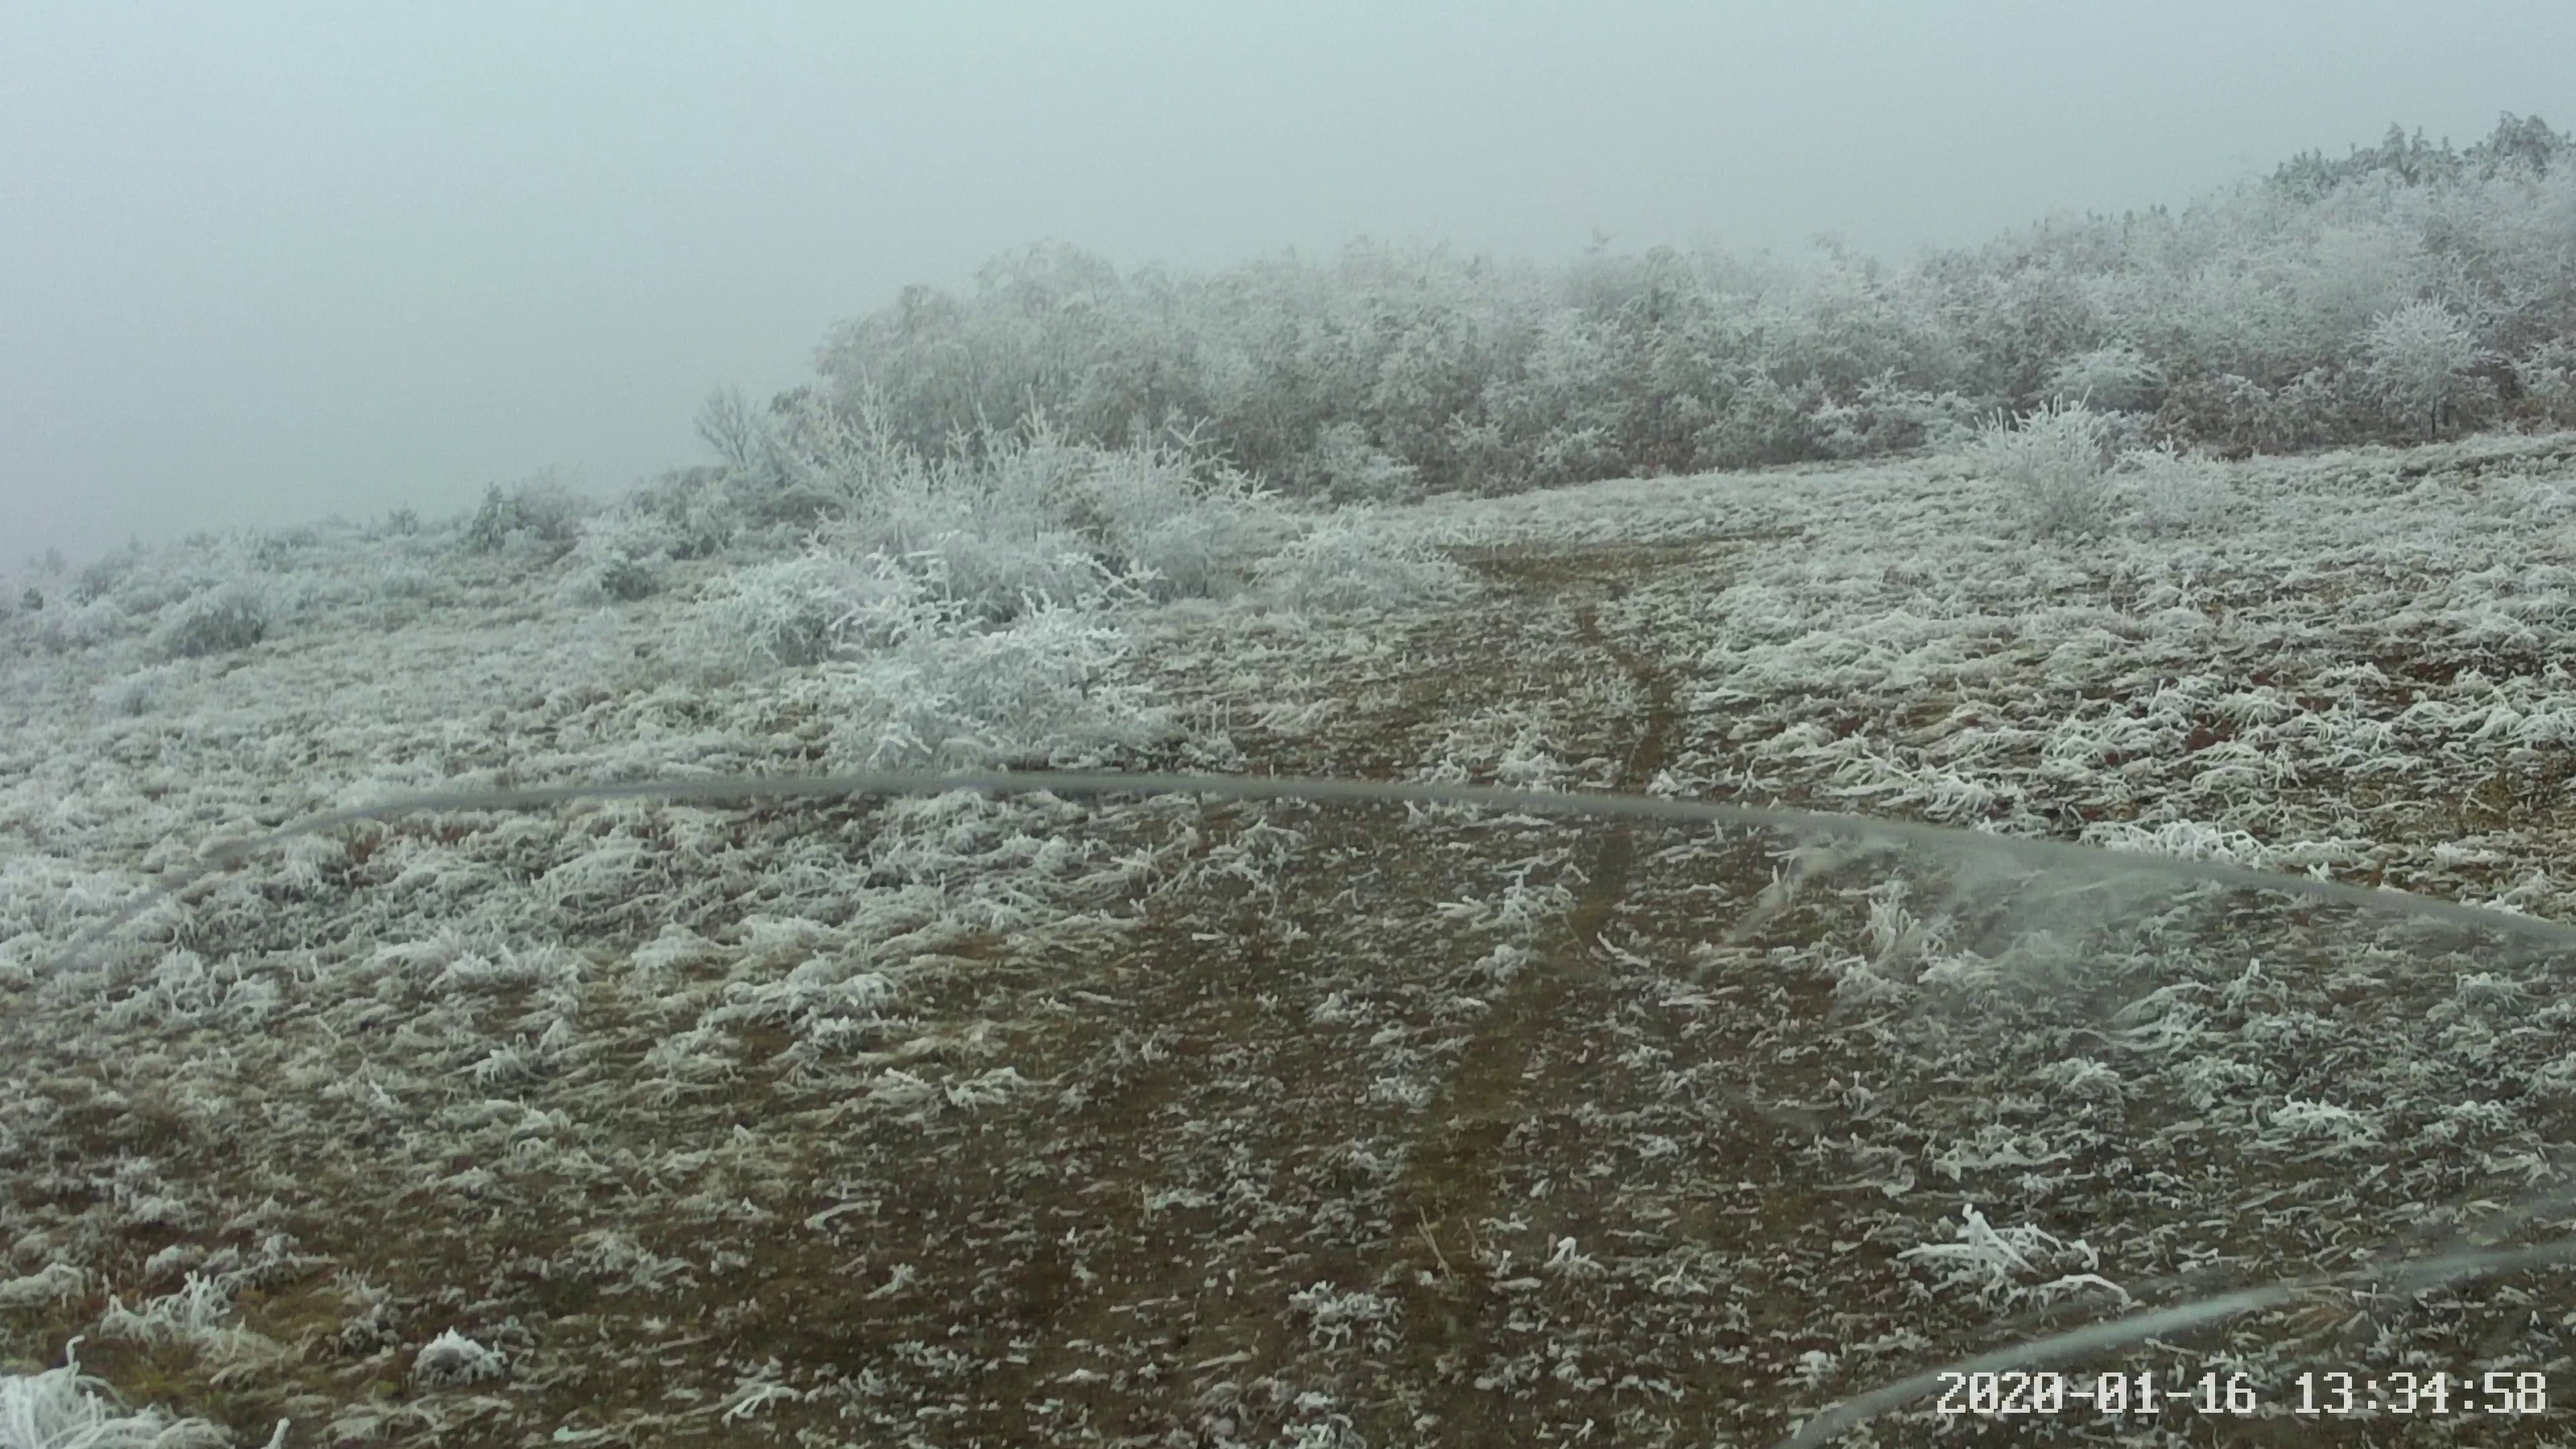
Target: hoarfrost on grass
{"points": [[452, 1360], [63, 1408]]}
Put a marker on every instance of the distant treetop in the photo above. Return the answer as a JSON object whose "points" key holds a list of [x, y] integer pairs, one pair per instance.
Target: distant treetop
{"points": [[2518, 141]]}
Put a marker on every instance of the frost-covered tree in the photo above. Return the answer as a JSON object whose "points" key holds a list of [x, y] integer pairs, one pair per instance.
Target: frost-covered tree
{"points": [[734, 428], [2420, 356], [2257, 317]]}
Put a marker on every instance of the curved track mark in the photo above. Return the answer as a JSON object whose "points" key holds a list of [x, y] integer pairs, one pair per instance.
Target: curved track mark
{"points": [[1450, 1302]]}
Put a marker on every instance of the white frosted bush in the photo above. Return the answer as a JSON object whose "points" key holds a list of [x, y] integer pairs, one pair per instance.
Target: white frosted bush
{"points": [[1887, 417], [536, 522], [64, 627], [814, 458], [618, 559], [2169, 491], [58, 1282], [1178, 526], [802, 611], [452, 1360], [405, 582], [64, 1408], [136, 694], [1014, 519], [685, 514], [995, 578], [1347, 562], [2420, 355], [193, 1315], [981, 543], [1359, 376], [2547, 376], [1046, 687], [1205, 552], [1033, 523], [1348, 468], [2052, 461], [222, 620], [2117, 376], [1038, 518]]}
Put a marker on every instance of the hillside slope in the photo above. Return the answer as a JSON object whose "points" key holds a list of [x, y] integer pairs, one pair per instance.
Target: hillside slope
{"points": [[1028, 1119]]}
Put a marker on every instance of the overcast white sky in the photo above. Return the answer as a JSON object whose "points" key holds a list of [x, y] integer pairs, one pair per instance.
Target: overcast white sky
{"points": [[264, 263]]}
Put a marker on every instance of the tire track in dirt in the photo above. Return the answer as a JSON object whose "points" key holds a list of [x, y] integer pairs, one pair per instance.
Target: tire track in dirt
{"points": [[1449, 1298]]}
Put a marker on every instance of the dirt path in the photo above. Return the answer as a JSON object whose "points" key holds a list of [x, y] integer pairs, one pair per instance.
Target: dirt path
{"points": [[1496, 1308], [1452, 1308]]}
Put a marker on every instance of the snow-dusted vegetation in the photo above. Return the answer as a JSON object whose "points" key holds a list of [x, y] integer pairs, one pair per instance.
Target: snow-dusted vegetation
{"points": [[2245, 534], [2404, 292]]}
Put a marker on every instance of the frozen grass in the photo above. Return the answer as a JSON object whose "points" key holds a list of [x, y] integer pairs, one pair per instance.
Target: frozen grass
{"points": [[64, 1409], [1986, 951], [2186, 858], [1990, 1263]]}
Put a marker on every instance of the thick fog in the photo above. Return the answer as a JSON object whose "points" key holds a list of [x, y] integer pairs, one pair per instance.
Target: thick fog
{"points": [[261, 264]]}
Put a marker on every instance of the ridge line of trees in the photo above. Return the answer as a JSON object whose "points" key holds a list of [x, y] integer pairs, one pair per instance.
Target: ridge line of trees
{"points": [[2404, 292]]}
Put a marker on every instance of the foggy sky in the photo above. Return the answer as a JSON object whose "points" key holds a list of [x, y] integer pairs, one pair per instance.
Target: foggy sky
{"points": [[261, 263]]}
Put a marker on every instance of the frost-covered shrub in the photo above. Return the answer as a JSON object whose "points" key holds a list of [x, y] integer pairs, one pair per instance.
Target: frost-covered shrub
{"points": [[684, 513], [2227, 411], [541, 517], [1172, 521], [2170, 491], [280, 550], [100, 577], [2052, 461], [1888, 418], [802, 611], [812, 458], [989, 534], [2318, 408], [1046, 687], [1763, 422], [452, 1360], [2245, 320], [2116, 377], [135, 695], [993, 579], [1035, 519], [72, 626], [1558, 415], [223, 620], [627, 578], [2546, 376], [1208, 551], [2420, 356], [1347, 468], [1348, 563], [406, 583], [64, 1408], [735, 429], [617, 560]]}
